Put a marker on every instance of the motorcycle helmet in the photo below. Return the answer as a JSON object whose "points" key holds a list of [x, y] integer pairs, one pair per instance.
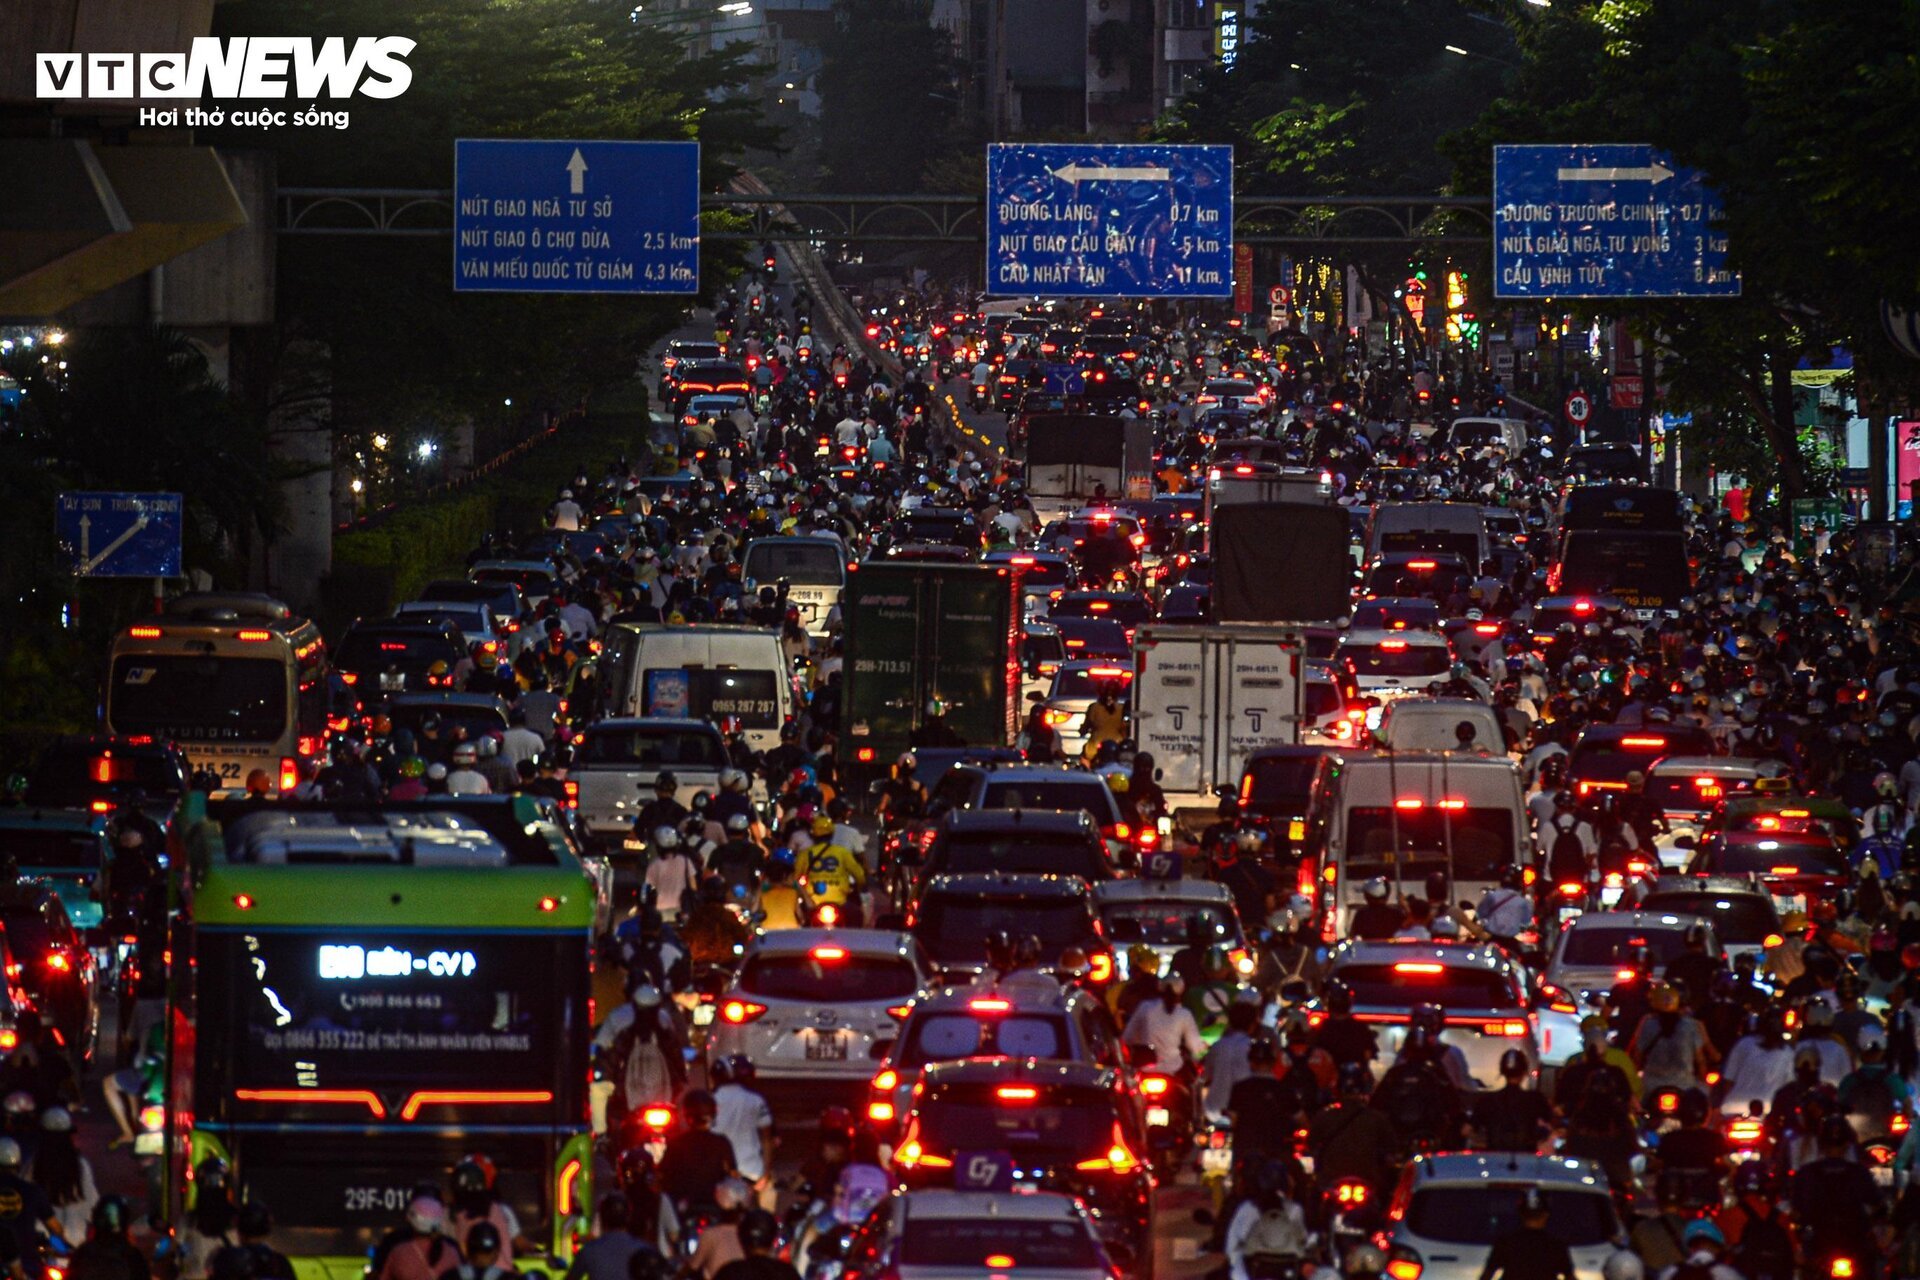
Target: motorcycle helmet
{"points": [[1338, 997], [759, 1231]]}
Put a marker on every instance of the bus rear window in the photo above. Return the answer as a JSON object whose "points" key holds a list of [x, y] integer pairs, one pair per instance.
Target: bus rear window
{"points": [[203, 699]]}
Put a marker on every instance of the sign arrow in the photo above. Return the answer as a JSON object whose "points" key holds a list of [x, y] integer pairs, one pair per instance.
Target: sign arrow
{"points": [[1112, 173], [86, 524], [577, 171], [1649, 173], [89, 565]]}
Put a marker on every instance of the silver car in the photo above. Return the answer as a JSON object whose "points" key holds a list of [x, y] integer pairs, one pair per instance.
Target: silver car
{"points": [[818, 1004], [1451, 1208], [1481, 989], [1590, 952], [1162, 914]]}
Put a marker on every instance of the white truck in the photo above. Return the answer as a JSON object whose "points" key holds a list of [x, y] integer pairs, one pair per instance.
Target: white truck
{"points": [[1072, 458], [1205, 698]]}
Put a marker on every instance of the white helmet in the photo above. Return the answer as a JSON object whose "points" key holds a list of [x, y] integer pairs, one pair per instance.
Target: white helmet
{"points": [[1623, 1264], [645, 996], [732, 780], [426, 1215], [665, 837]]}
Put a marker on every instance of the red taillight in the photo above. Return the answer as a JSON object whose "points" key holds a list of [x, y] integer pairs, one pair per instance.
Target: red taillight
{"points": [[880, 1111], [572, 790], [1393, 646], [989, 1004], [59, 963], [289, 773], [1643, 743], [1154, 1086], [1119, 1158], [1100, 967], [1420, 968], [1351, 1194], [657, 1119], [864, 755], [829, 954], [1016, 1093], [145, 633], [1407, 803], [1745, 1132], [740, 1012]]}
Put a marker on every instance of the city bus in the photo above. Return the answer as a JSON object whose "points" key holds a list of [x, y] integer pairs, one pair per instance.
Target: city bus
{"points": [[235, 679], [371, 995], [1627, 541]]}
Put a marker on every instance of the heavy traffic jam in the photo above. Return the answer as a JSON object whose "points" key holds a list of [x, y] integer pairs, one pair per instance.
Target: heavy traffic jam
{"points": [[1026, 787]]}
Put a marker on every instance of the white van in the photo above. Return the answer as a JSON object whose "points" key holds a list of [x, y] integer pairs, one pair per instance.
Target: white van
{"points": [[1428, 526], [1429, 724], [700, 673], [814, 568], [1402, 816], [1477, 436]]}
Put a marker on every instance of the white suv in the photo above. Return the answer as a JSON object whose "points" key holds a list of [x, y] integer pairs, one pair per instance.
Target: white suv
{"points": [[1451, 1208]]}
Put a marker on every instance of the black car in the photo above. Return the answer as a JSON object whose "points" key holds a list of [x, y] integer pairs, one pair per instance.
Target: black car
{"points": [[1035, 1122], [57, 970], [1276, 791], [1030, 841], [706, 378], [955, 914], [99, 772], [379, 657]]}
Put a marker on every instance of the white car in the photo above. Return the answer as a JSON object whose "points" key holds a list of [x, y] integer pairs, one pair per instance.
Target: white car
{"points": [[973, 1235], [1392, 664], [1689, 788], [1160, 913], [475, 622], [818, 1004], [1451, 1208], [1488, 1009]]}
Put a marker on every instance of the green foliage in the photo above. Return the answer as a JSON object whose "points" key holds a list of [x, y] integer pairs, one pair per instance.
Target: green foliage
{"points": [[1799, 112], [886, 95], [485, 69]]}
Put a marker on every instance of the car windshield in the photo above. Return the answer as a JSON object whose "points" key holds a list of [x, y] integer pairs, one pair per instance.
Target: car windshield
{"points": [[1281, 779], [1092, 637], [1691, 792], [1613, 945], [536, 581], [1039, 1122], [651, 748], [958, 1244], [1089, 797], [1780, 858], [1421, 979], [1741, 919], [1040, 853], [464, 619], [1087, 682], [1123, 609], [1395, 658], [1167, 924], [1035, 572], [1380, 615], [944, 1037], [369, 650], [823, 977], [956, 928], [70, 776], [51, 847], [1322, 699], [804, 564], [1484, 1212], [1481, 841]]}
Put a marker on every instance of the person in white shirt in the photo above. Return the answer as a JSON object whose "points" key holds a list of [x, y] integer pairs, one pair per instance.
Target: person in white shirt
{"points": [[744, 1119], [519, 742], [1166, 1027], [567, 514], [464, 779]]}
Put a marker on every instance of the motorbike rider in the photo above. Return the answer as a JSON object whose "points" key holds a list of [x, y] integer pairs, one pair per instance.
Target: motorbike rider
{"points": [[1530, 1251], [829, 874], [1268, 1225], [697, 1159], [1669, 1045], [663, 810], [1512, 1117], [109, 1253], [1352, 1139], [1693, 1158], [1165, 1028], [1105, 719], [1376, 919], [933, 730], [1416, 1093], [1344, 1037], [1835, 1200], [639, 1050]]}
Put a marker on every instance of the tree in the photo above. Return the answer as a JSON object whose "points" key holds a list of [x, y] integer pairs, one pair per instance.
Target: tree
{"points": [[531, 68], [1793, 110], [886, 95]]}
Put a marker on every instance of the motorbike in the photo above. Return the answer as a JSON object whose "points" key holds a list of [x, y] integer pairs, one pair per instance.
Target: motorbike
{"points": [[1347, 1208], [1215, 1141]]}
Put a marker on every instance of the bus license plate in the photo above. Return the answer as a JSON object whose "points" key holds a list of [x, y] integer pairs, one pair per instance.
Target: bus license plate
{"points": [[826, 1046]]}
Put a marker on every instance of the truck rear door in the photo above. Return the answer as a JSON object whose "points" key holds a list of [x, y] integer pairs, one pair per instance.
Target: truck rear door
{"points": [[1170, 704], [1258, 700]]}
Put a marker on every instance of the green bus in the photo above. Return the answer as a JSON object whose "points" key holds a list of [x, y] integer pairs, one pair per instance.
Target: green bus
{"points": [[371, 995]]}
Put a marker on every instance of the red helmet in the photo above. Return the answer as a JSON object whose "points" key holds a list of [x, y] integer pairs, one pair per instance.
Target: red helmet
{"points": [[799, 778]]}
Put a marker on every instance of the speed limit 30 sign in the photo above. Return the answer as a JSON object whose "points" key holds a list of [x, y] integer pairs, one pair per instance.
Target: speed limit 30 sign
{"points": [[1579, 408]]}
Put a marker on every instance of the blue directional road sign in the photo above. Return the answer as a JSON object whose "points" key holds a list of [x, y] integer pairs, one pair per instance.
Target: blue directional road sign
{"points": [[576, 217], [1605, 221], [120, 535], [1094, 220]]}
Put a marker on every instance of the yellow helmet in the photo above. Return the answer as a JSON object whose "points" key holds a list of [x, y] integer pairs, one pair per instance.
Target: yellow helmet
{"points": [[822, 825], [1118, 783], [1663, 998]]}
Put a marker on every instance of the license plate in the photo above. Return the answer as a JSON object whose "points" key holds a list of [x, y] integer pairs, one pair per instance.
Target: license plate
{"points": [[826, 1046], [703, 1015], [1216, 1159], [1158, 1116], [1296, 829]]}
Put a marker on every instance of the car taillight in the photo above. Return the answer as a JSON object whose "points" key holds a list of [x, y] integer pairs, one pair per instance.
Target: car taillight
{"points": [[880, 1111], [1405, 1269], [912, 1155], [740, 1012], [886, 1082], [1509, 1027], [1118, 1159], [289, 773], [1100, 967], [1120, 831], [59, 963]]}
